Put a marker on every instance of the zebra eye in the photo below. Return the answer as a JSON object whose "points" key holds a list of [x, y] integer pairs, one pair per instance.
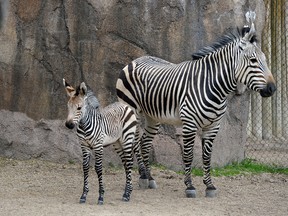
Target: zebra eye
{"points": [[253, 60], [79, 108]]}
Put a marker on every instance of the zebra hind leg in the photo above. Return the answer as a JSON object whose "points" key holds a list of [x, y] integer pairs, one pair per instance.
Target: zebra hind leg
{"points": [[151, 129]]}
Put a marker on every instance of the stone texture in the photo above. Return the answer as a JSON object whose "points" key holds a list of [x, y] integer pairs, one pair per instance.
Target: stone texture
{"points": [[24, 138], [42, 41]]}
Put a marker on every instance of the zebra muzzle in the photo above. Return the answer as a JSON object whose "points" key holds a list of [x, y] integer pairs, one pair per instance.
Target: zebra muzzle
{"points": [[268, 90]]}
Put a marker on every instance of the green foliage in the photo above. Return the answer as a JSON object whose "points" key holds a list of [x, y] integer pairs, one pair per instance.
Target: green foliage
{"points": [[247, 166], [70, 161]]}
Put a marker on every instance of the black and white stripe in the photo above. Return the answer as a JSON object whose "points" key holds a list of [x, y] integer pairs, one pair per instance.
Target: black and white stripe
{"points": [[97, 128], [193, 93]]}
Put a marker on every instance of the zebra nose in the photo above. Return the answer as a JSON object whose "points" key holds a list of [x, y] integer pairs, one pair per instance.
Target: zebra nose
{"points": [[69, 124], [268, 90]]}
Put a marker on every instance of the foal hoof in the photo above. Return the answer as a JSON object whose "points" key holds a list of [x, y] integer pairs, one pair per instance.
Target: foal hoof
{"points": [[190, 192], [211, 192], [125, 198], [100, 201], [82, 199], [152, 184], [143, 183]]}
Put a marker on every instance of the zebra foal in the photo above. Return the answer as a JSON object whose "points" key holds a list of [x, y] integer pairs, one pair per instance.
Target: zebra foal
{"points": [[194, 94], [96, 128]]}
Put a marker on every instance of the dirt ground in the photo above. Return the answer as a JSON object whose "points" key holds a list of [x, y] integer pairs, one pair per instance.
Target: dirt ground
{"points": [[36, 187]]}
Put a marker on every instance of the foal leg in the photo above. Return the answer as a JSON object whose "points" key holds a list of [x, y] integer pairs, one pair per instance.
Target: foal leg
{"points": [[143, 179], [98, 151], [207, 143], [86, 159], [128, 164], [150, 130], [125, 153]]}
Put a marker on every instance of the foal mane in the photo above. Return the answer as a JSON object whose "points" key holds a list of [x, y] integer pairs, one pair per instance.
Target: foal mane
{"points": [[226, 39]]}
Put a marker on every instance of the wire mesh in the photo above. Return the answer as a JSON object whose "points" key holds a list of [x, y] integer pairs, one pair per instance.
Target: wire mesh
{"points": [[267, 129]]}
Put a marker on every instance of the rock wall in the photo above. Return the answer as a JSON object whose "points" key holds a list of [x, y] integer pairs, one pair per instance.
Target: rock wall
{"points": [[42, 41]]}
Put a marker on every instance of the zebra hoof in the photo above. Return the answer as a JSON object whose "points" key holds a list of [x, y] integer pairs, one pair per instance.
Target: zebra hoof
{"points": [[152, 184], [190, 192], [143, 183], [211, 193], [82, 200]]}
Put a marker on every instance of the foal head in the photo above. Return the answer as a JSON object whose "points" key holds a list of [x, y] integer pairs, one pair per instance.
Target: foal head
{"points": [[76, 103]]}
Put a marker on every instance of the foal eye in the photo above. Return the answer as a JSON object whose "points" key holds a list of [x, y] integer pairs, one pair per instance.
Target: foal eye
{"points": [[78, 108], [253, 60]]}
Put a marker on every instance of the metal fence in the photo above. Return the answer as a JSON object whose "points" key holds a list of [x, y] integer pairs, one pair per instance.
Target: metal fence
{"points": [[267, 129]]}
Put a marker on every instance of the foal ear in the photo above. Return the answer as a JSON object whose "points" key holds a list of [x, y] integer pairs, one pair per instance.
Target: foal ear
{"points": [[83, 89], [69, 89]]}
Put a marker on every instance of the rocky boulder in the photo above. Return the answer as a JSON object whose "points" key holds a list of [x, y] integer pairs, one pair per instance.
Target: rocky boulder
{"points": [[43, 41]]}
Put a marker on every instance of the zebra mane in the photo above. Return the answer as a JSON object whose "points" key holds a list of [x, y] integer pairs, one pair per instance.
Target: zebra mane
{"points": [[90, 99], [226, 39]]}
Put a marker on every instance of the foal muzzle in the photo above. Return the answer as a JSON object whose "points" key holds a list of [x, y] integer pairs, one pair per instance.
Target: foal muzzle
{"points": [[69, 124]]}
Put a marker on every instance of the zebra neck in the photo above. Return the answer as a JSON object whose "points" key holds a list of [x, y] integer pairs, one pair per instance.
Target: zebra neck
{"points": [[222, 70], [91, 114]]}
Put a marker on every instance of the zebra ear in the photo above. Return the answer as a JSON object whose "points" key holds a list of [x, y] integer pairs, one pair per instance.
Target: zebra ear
{"points": [[250, 17], [69, 89], [245, 30], [83, 89], [249, 36]]}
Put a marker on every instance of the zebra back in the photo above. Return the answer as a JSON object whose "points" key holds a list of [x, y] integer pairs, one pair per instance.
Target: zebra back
{"points": [[196, 89]]}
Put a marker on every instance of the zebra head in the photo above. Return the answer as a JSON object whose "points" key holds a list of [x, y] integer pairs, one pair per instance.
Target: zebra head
{"points": [[76, 103], [252, 69]]}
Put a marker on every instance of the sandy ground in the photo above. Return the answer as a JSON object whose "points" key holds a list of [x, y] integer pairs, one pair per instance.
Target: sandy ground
{"points": [[40, 188]]}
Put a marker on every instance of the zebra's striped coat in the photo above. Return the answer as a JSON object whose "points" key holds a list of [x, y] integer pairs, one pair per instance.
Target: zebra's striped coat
{"points": [[194, 93]]}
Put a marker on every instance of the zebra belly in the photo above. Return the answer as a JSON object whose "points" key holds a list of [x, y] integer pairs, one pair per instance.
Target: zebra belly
{"points": [[167, 119], [202, 119]]}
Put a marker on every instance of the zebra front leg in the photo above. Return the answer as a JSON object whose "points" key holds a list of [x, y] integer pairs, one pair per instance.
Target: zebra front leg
{"points": [[86, 160], [207, 144], [188, 146], [98, 151], [151, 129]]}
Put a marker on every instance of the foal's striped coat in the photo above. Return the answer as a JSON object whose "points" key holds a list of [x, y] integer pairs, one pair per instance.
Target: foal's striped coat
{"points": [[97, 128]]}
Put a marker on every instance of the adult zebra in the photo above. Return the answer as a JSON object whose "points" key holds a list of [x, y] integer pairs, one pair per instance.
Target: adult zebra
{"points": [[98, 128], [194, 93]]}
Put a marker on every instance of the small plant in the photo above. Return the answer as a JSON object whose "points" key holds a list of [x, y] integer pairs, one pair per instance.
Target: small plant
{"points": [[247, 166], [70, 161], [111, 165], [244, 167]]}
